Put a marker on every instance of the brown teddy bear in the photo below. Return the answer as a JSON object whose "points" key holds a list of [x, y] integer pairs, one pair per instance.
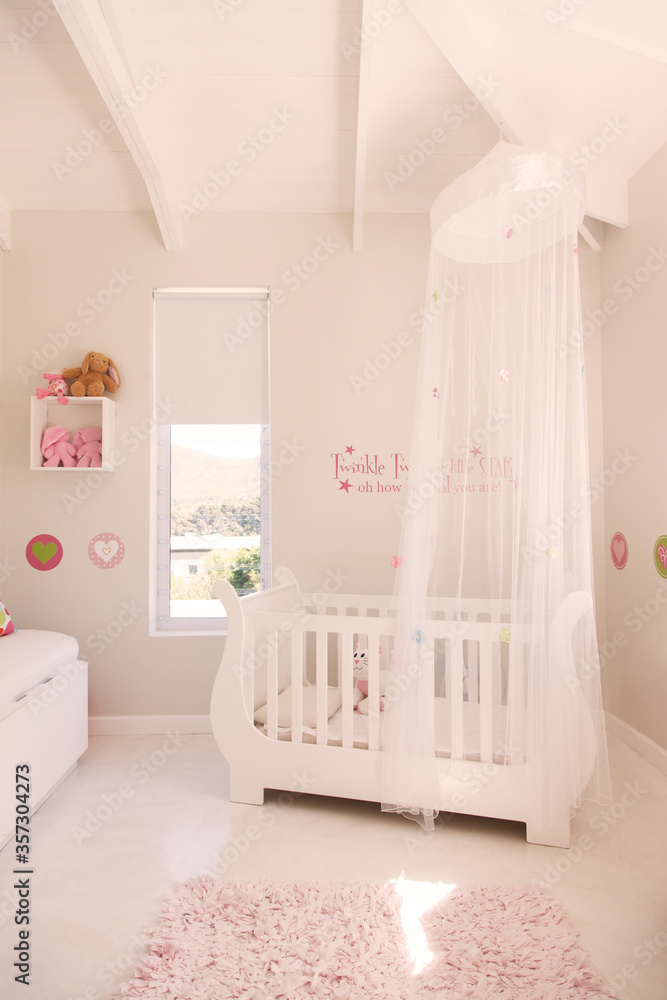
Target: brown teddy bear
{"points": [[92, 378]]}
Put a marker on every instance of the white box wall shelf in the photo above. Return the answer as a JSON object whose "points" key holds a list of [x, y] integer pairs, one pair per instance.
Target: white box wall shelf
{"points": [[85, 411]]}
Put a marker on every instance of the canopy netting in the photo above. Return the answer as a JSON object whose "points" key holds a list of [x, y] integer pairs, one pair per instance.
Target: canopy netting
{"points": [[497, 504]]}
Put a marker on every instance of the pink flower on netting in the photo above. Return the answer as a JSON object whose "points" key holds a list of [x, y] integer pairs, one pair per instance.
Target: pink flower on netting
{"points": [[436, 393], [504, 375], [396, 561], [508, 233], [576, 248]]}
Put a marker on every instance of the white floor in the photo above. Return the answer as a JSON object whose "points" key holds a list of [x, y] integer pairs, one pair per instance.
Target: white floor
{"points": [[140, 813]]}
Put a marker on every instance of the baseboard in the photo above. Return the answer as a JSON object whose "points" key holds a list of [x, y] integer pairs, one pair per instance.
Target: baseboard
{"points": [[147, 725], [645, 747]]}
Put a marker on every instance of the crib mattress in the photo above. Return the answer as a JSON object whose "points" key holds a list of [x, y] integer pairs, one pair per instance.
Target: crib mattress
{"points": [[30, 656], [443, 741]]}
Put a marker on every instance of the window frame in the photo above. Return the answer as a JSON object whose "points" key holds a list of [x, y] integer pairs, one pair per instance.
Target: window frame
{"points": [[160, 621]]}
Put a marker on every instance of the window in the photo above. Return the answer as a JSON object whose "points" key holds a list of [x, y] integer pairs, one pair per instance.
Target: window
{"points": [[212, 509]]}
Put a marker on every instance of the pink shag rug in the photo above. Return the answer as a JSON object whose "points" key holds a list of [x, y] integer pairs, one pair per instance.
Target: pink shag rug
{"points": [[260, 940]]}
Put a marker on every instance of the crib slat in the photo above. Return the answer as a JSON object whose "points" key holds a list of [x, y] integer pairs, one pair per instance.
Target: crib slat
{"points": [[497, 674], [297, 687], [428, 680], [339, 657], [272, 686], [321, 679], [456, 697], [485, 700], [373, 693], [515, 703], [347, 686], [472, 672]]}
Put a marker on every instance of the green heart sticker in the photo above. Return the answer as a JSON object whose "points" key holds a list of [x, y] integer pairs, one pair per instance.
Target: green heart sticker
{"points": [[44, 552]]}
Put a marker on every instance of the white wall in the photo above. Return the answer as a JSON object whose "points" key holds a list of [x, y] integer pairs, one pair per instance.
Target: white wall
{"points": [[589, 263], [634, 353], [3, 569], [327, 394], [331, 321]]}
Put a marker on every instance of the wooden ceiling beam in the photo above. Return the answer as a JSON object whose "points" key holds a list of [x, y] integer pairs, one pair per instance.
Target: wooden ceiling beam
{"points": [[90, 33], [363, 116], [116, 15], [593, 232]]}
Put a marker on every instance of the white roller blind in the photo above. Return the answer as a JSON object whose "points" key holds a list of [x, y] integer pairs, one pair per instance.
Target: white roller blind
{"points": [[212, 354]]}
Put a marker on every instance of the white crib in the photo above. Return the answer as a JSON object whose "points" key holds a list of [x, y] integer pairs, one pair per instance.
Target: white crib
{"points": [[283, 715]]}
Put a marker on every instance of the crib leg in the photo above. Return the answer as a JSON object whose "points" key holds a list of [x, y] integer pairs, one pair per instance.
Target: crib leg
{"points": [[244, 789], [549, 836]]}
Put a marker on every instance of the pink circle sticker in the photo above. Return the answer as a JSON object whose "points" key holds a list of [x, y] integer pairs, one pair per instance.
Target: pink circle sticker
{"points": [[106, 550], [44, 552], [660, 555], [619, 550]]}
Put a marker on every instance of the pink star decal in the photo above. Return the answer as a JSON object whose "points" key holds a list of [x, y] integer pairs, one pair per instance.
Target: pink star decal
{"points": [[344, 485], [349, 449], [476, 451]]}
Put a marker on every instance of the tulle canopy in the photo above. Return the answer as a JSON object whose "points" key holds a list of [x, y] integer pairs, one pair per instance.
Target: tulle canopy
{"points": [[497, 505]]}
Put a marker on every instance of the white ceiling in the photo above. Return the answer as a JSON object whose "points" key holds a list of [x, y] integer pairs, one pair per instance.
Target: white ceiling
{"points": [[281, 96]]}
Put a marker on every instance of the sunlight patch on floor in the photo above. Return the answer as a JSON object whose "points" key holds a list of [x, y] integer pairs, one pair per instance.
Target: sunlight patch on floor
{"points": [[417, 898]]}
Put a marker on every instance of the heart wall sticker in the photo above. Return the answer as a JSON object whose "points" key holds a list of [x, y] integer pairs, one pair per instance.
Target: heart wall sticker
{"points": [[44, 552], [106, 550], [619, 550]]}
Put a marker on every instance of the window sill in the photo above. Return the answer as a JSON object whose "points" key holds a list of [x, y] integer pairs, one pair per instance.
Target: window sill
{"points": [[161, 632]]}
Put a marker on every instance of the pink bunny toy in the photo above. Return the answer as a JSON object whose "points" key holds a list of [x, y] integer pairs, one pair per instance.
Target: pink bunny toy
{"points": [[57, 387], [57, 447], [88, 445]]}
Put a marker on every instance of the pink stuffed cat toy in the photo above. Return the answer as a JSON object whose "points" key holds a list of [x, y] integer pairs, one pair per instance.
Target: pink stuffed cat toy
{"points": [[360, 698]]}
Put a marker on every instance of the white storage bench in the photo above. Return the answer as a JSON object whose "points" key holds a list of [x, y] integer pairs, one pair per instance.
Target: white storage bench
{"points": [[43, 715]]}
